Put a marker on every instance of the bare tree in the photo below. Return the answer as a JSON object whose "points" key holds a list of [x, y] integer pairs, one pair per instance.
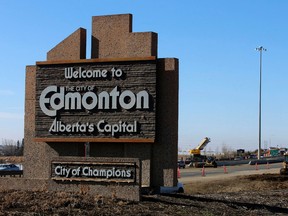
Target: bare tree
{"points": [[227, 151], [11, 147]]}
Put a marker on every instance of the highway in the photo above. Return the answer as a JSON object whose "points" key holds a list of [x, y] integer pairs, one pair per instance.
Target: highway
{"points": [[192, 174]]}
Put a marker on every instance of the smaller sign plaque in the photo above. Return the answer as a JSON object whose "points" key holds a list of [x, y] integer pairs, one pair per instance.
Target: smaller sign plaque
{"points": [[94, 171]]}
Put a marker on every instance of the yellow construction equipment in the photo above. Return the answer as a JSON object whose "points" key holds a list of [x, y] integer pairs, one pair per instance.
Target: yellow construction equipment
{"points": [[284, 169], [201, 146], [198, 160]]}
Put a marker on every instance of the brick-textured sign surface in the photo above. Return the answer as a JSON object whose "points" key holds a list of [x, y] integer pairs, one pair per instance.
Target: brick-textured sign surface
{"points": [[96, 99]]}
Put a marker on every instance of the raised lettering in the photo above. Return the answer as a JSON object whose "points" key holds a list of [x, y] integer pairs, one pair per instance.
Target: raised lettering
{"points": [[53, 100]]}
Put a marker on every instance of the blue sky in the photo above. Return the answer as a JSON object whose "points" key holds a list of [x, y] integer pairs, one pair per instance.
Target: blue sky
{"points": [[215, 42]]}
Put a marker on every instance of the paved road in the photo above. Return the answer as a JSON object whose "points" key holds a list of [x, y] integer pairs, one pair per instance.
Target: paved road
{"points": [[194, 174]]}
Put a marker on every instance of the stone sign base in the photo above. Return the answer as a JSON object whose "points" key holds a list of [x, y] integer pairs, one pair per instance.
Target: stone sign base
{"points": [[111, 183]]}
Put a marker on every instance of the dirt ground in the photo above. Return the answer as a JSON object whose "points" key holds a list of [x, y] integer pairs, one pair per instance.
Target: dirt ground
{"points": [[265, 194]]}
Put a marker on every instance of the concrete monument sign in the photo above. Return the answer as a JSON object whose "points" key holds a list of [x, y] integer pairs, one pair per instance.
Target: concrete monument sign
{"points": [[107, 124]]}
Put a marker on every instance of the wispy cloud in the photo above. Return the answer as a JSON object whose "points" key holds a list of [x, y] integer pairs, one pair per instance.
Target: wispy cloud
{"points": [[11, 116], [6, 92]]}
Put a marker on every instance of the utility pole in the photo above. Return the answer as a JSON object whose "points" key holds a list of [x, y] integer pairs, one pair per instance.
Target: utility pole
{"points": [[260, 49]]}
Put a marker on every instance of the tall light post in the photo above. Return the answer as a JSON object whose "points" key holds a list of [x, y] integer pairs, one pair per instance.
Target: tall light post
{"points": [[260, 49]]}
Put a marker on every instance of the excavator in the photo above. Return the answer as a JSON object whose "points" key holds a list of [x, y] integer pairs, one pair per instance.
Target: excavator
{"points": [[198, 160], [284, 169]]}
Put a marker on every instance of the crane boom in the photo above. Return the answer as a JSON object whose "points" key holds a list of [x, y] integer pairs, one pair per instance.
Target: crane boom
{"points": [[201, 146], [203, 143]]}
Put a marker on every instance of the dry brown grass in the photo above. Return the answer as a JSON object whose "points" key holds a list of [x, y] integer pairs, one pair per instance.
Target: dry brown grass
{"points": [[262, 182], [251, 195], [12, 159]]}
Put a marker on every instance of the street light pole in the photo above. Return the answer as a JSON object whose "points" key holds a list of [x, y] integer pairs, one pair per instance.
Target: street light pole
{"points": [[260, 49]]}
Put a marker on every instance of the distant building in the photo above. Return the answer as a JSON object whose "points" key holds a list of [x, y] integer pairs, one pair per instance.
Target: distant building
{"points": [[282, 151], [240, 152]]}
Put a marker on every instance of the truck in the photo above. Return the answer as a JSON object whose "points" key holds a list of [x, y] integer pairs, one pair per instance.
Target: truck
{"points": [[284, 169], [198, 160]]}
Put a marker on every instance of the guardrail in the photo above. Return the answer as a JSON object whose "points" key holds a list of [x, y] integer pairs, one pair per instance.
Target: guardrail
{"points": [[11, 173], [250, 161]]}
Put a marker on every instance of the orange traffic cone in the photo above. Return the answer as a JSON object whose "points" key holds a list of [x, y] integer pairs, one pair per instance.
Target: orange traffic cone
{"points": [[203, 171], [178, 173], [268, 165], [225, 169]]}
